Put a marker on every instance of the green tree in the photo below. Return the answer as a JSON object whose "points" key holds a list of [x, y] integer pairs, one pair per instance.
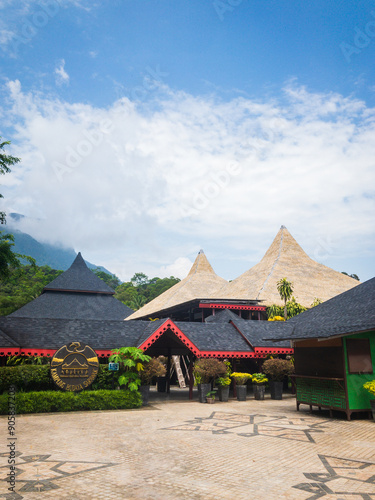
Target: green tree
{"points": [[110, 279], [23, 284], [137, 302], [293, 308], [285, 289], [6, 161], [140, 279], [316, 302]]}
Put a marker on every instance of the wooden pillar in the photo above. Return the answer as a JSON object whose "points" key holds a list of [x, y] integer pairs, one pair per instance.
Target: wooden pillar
{"points": [[191, 378], [169, 370], [258, 315]]}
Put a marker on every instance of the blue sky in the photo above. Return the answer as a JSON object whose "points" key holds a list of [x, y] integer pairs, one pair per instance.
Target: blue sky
{"points": [[150, 129]]}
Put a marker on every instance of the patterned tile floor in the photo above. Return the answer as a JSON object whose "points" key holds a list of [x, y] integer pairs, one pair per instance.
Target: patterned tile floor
{"points": [[187, 450]]}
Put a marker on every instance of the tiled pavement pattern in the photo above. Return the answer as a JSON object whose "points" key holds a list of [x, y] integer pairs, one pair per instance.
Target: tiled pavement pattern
{"points": [[187, 450]]}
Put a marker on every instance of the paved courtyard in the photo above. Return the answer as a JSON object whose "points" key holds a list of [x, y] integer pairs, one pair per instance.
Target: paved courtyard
{"points": [[187, 450]]}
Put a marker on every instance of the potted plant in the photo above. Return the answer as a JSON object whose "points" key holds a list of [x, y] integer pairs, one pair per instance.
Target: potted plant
{"points": [[241, 387], [276, 369], [370, 387], [162, 380], [223, 384], [210, 397], [259, 385], [152, 368], [207, 370]]}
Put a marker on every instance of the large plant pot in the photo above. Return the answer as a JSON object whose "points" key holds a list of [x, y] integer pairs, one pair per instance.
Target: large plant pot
{"points": [[241, 392], [205, 389], [224, 393], [372, 403], [162, 384], [259, 391], [145, 392], [276, 389]]}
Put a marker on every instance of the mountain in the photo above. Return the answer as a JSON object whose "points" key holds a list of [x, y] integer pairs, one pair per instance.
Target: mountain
{"points": [[45, 254]]}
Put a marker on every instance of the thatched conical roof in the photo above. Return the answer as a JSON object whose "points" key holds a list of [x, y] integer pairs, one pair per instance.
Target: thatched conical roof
{"points": [[200, 283], [286, 259]]}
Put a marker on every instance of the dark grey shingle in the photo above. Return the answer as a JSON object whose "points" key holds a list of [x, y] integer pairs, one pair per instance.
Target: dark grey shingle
{"points": [[79, 278], [70, 305]]}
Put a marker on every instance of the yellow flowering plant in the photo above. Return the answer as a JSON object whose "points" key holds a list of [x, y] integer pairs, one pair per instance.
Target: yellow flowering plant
{"points": [[259, 378], [241, 378], [370, 387]]}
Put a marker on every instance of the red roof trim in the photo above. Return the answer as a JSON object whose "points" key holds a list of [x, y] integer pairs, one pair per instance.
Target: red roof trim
{"points": [[260, 352], [16, 351], [169, 325], [213, 305]]}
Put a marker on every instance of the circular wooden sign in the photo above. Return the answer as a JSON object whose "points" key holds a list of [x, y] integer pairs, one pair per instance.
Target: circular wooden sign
{"points": [[74, 367]]}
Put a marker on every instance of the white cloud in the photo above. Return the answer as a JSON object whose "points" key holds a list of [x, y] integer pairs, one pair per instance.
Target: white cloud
{"points": [[139, 188], [62, 76]]}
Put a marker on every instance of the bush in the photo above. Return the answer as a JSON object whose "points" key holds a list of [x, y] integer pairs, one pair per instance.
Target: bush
{"points": [[276, 369], [26, 378], [104, 378], [151, 369], [208, 369], [57, 401]]}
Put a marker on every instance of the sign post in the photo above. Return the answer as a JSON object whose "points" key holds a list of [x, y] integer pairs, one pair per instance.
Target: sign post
{"points": [[113, 367]]}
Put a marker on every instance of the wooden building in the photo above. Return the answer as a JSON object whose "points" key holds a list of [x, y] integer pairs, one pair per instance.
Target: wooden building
{"points": [[334, 351]]}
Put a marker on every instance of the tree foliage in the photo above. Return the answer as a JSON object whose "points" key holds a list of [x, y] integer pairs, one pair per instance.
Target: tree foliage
{"points": [[292, 309], [354, 276], [23, 284], [142, 289], [6, 161], [285, 289]]}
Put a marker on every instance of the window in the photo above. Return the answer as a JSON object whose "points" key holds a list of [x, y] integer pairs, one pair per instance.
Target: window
{"points": [[359, 355]]}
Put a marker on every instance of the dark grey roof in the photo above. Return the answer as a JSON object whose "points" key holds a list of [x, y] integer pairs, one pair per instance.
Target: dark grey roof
{"points": [[224, 316], [214, 336], [350, 312], [70, 305], [150, 328], [52, 333], [6, 341], [37, 333], [257, 332], [79, 278]]}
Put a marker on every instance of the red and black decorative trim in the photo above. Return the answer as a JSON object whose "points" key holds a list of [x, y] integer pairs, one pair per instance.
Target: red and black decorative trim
{"points": [[16, 351], [169, 325], [214, 305]]}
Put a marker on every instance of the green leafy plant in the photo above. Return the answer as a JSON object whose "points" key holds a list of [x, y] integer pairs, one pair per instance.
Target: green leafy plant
{"points": [[277, 369], [131, 361], [211, 394], [370, 387], [223, 381], [259, 378], [208, 369], [241, 378]]}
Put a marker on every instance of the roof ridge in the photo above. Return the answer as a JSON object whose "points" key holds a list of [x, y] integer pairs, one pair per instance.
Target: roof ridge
{"points": [[274, 264]]}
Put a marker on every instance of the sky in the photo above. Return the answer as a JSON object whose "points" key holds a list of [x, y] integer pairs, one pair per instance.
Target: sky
{"points": [[151, 129]]}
